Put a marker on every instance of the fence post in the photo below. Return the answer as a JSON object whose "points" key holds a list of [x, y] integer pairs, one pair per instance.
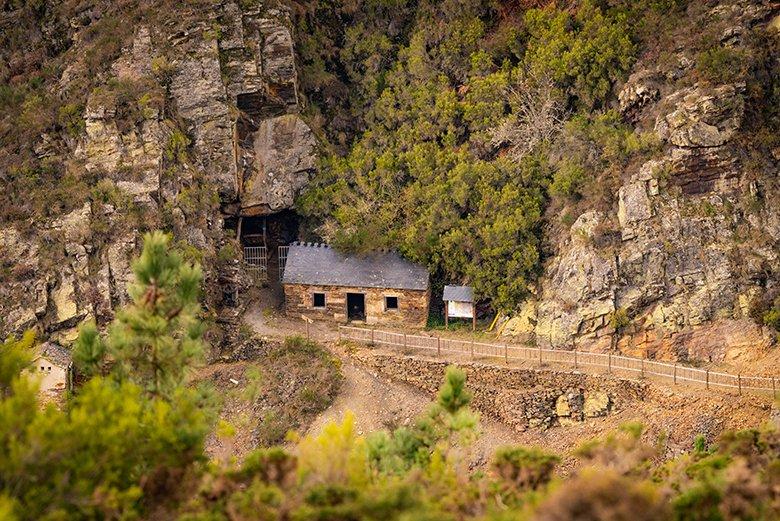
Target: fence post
{"points": [[472, 349], [506, 355], [739, 383], [540, 354], [774, 391], [438, 346], [609, 363], [372, 336], [675, 373], [405, 344], [575, 358], [707, 379], [642, 367]]}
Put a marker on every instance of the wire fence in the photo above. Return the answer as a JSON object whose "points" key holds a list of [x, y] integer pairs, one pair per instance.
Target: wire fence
{"points": [[449, 348]]}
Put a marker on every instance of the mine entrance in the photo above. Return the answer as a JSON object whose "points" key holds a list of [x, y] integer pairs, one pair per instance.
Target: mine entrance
{"points": [[265, 240], [356, 306]]}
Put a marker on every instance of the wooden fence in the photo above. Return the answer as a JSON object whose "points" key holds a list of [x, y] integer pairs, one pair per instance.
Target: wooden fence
{"points": [[607, 362]]}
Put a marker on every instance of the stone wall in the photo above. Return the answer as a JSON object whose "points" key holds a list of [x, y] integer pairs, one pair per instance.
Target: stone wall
{"points": [[412, 305], [521, 398]]}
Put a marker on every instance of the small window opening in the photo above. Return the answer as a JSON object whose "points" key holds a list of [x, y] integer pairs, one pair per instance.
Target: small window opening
{"points": [[319, 300], [41, 368], [391, 303]]}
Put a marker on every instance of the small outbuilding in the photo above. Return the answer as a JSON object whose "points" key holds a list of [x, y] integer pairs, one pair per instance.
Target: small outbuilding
{"points": [[375, 288], [53, 366], [459, 303]]}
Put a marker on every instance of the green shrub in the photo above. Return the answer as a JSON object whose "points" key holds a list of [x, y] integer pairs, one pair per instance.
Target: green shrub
{"points": [[71, 118], [568, 180], [523, 468], [721, 64], [619, 319], [586, 52], [163, 70], [176, 148], [229, 251], [771, 318]]}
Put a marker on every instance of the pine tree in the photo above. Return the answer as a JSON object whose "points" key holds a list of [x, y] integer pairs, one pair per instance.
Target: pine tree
{"points": [[15, 356], [158, 336]]}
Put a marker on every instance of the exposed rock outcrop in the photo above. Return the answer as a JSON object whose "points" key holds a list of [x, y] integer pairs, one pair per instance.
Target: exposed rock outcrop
{"points": [[284, 153], [183, 125], [202, 102], [697, 233]]}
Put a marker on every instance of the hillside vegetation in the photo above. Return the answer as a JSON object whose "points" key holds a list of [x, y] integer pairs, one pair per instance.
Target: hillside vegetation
{"points": [[464, 133]]}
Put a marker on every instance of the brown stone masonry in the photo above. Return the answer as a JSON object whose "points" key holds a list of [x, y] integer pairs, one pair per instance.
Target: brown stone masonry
{"points": [[412, 305]]}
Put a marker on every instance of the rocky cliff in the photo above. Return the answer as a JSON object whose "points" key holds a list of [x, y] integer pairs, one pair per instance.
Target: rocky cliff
{"points": [[192, 122], [675, 268]]}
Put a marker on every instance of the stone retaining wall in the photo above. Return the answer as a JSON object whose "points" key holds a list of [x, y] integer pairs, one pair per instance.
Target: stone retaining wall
{"points": [[521, 398]]}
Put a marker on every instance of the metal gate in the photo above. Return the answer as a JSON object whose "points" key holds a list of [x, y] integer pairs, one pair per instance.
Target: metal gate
{"points": [[282, 260], [256, 260]]}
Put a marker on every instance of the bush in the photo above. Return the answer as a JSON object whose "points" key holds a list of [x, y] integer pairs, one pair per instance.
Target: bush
{"points": [[71, 119], [568, 180], [772, 317], [619, 319], [524, 469], [721, 64], [585, 53]]}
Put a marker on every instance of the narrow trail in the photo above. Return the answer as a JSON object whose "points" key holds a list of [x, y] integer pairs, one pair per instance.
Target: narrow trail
{"points": [[376, 401], [380, 403]]}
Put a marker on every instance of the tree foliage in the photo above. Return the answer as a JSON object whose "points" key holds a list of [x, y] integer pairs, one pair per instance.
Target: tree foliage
{"points": [[122, 440], [452, 167], [158, 336]]}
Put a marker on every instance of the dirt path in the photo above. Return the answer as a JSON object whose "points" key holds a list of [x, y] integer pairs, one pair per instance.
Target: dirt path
{"points": [[380, 403], [376, 402]]}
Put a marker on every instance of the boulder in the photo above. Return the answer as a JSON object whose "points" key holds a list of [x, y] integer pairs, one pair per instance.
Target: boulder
{"points": [[279, 58], [65, 299], [597, 403], [285, 159], [702, 116], [633, 204], [640, 90]]}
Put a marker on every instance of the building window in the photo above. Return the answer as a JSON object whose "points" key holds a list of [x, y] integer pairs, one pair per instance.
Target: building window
{"points": [[319, 300], [391, 303]]}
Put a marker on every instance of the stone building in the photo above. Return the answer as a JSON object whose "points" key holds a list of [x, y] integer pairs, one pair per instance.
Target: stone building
{"points": [[52, 366], [376, 288]]}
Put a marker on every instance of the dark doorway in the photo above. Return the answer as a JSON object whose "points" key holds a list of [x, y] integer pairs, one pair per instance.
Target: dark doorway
{"points": [[356, 306]]}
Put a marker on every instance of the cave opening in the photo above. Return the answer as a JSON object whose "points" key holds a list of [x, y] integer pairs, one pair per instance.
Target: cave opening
{"points": [[265, 239]]}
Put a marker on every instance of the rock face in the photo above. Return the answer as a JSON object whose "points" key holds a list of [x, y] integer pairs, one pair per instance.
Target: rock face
{"points": [[284, 149], [690, 245], [183, 126], [702, 117], [275, 147], [202, 101]]}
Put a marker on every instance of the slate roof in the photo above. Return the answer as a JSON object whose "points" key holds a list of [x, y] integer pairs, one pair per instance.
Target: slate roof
{"points": [[55, 353], [458, 294], [320, 265]]}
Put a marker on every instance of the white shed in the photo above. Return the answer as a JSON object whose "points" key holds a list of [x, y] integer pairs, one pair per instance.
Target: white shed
{"points": [[459, 303]]}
